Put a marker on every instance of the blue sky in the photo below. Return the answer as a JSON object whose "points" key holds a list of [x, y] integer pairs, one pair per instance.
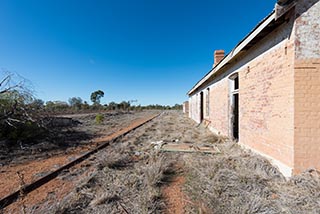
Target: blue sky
{"points": [[152, 51]]}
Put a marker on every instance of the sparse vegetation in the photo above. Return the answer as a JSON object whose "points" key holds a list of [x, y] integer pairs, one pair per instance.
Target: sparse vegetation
{"points": [[75, 103], [121, 184], [129, 176], [99, 118], [237, 181], [20, 112]]}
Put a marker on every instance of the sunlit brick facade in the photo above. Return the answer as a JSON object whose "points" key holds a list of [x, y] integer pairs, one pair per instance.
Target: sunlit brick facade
{"points": [[266, 92]]}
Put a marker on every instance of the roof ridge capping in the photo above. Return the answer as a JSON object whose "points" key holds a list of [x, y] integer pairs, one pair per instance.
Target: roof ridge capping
{"points": [[281, 8]]}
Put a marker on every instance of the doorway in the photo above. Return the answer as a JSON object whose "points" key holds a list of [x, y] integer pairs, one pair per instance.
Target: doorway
{"points": [[201, 106], [234, 106], [235, 124]]}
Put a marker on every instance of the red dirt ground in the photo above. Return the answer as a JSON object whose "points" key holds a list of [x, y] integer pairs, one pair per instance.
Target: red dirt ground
{"points": [[175, 199], [9, 181]]}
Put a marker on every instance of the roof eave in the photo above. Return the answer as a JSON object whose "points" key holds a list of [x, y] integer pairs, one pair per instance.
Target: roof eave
{"points": [[260, 27]]}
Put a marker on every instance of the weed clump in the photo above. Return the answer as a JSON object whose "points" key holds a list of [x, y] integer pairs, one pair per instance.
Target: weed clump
{"points": [[99, 119]]}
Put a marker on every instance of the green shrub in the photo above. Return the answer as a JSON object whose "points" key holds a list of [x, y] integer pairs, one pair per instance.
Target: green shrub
{"points": [[27, 132], [99, 118]]}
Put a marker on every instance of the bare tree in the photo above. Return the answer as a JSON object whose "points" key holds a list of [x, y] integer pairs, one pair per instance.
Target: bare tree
{"points": [[5, 86], [14, 99]]}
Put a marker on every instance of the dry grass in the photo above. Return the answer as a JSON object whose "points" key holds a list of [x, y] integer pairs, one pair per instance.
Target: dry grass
{"points": [[237, 181], [129, 175], [122, 183]]}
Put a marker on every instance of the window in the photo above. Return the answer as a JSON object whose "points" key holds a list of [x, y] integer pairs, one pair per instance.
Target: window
{"points": [[236, 83]]}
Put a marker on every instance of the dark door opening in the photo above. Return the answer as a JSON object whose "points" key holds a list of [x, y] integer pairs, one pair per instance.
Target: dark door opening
{"points": [[234, 104], [235, 116], [201, 106]]}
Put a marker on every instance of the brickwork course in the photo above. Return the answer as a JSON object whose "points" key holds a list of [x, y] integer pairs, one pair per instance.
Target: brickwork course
{"points": [[277, 68]]}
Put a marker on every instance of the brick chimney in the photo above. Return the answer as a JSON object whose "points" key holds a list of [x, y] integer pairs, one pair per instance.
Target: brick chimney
{"points": [[218, 56]]}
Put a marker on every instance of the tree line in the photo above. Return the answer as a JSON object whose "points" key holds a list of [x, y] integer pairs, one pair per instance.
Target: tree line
{"points": [[22, 115], [76, 104]]}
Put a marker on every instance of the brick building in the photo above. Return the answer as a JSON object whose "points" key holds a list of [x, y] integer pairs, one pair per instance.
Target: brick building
{"points": [[185, 107], [266, 92]]}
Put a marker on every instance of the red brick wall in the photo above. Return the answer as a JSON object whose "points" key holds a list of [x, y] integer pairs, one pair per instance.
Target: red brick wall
{"points": [[266, 97], [194, 107], [307, 114], [219, 107], [307, 86], [266, 103], [185, 107]]}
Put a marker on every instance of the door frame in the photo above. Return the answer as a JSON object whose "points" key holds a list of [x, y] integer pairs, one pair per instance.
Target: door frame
{"points": [[234, 97], [201, 107]]}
